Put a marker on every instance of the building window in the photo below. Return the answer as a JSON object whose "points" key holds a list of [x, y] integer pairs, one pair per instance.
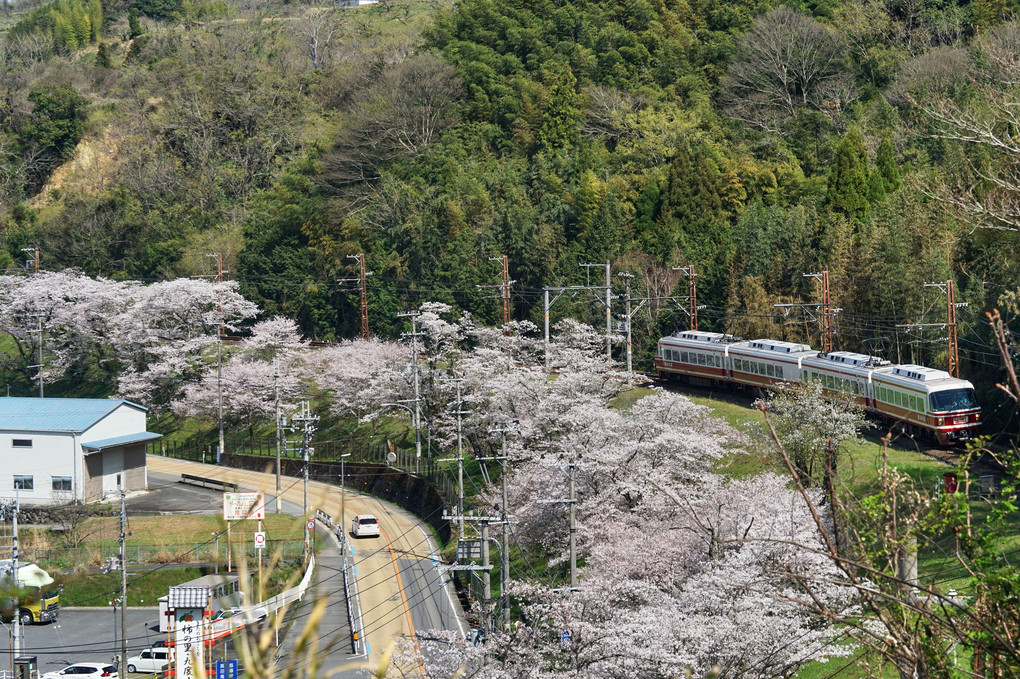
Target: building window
{"points": [[24, 482], [62, 483], [22, 443]]}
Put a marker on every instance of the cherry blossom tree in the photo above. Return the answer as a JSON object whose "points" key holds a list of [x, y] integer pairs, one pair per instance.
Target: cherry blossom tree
{"points": [[155, 335], [679, 567]]}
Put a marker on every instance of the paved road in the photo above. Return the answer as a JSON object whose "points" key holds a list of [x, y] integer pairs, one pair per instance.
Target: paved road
{"points": [[400, 590]]}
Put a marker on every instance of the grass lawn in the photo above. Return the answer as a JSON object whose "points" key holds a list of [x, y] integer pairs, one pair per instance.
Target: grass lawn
{"points": [[146, 586]]}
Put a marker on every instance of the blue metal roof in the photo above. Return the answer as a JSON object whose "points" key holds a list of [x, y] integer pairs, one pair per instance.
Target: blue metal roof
{"points": [[121, 440], [56, 414]]}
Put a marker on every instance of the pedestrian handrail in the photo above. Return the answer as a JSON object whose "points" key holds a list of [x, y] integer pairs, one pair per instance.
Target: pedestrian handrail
{"points": [[287, 597]]}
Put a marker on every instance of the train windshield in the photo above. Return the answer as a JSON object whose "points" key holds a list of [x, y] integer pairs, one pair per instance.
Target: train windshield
{"points": [[953, 399]]}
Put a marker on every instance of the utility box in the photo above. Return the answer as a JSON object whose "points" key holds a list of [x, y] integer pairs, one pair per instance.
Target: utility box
{"points": [[26, 667]]}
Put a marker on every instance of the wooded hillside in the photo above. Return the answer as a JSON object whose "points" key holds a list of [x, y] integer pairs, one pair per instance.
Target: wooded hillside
{"points": [[755, 141]]}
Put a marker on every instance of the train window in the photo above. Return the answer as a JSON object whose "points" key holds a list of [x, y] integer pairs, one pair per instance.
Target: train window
{"points": [[896, 398], [831, 381], [881, 394], [856, 387], [718, 361], [913, 402], [771, 370], [779, 371], [683, 357], [701, 359], [805, 375], [738, 364]]}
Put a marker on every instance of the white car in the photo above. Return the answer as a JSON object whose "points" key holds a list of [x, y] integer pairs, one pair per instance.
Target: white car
{"points": [[83, 670], [149, 662], [365, 526]]}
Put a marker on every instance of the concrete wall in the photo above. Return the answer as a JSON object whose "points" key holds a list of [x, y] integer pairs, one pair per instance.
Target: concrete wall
{"points": [[51, 454]]}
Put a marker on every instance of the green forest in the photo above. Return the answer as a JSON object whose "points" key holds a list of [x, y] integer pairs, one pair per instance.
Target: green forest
{"points": [[755, 142]]}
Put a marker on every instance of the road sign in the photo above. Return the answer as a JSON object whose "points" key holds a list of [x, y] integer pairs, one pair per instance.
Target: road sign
{"points": [[226, 669], [565, 639], [469, 549], [260, 540], [311, 524], [237, 506]]}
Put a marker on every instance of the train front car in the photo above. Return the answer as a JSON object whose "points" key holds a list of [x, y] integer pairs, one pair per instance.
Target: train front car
{"points": [[944, 407], [956, 413]]}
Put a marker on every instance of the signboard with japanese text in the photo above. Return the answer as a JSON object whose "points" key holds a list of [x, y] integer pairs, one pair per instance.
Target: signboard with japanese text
{"points": [[189, 652], [237, 506], [226, 669]]}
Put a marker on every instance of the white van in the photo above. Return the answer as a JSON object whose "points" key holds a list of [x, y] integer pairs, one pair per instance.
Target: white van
{"points": [[365, 526], [149, 662]]}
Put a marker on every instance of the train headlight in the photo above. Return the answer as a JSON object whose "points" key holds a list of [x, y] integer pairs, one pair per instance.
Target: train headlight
{"points": [[939, 421], [977, 417]]}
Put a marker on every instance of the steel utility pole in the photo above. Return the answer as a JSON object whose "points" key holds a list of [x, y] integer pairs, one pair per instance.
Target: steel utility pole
{"points": [[279, 438], [692, 294], [219, 356], [608, 303], [308, 421], [505, 566], [953, 348], [413, 315], [504, 291], [9, 511], [123, 577], [826, 310], [572, 501], [626, 279], [459, 412], [573, 289], [34, 262], [343, 497], [39, 318]]}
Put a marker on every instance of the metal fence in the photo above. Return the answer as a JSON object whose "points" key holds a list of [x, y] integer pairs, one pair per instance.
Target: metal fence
{"points": [[98, 557]]}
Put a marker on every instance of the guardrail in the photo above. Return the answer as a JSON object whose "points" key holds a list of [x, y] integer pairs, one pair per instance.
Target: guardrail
{"points": [[349, 583]]}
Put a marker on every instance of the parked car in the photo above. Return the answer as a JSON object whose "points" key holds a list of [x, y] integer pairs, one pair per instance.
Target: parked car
{"points": [[365, 526], [83, 670], [149, 661]]}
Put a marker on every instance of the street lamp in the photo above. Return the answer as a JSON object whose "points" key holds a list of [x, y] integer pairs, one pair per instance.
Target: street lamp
{"points": [[343, 498]]}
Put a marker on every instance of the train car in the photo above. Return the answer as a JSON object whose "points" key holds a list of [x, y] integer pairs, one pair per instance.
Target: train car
{"points": [[923, 401]]}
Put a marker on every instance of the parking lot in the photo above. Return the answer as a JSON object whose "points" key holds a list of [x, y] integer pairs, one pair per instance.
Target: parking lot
{"points": [[88, 635]]}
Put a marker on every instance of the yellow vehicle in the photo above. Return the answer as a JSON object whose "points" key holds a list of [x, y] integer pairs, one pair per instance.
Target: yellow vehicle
{"points": [[35, 597]]}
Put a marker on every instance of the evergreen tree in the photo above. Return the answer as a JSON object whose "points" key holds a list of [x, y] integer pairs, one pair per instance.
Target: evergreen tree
{"points": [[95, 14], [848, 178], [885, 165], [134, 24], [985, 14], [103, 56]]}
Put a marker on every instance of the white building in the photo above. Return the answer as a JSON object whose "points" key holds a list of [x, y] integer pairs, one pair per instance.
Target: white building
{"points": [[55, 450]]}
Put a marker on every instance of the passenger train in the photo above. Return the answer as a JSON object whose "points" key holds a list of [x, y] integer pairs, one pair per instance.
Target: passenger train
{"points": [[923, 401]]}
